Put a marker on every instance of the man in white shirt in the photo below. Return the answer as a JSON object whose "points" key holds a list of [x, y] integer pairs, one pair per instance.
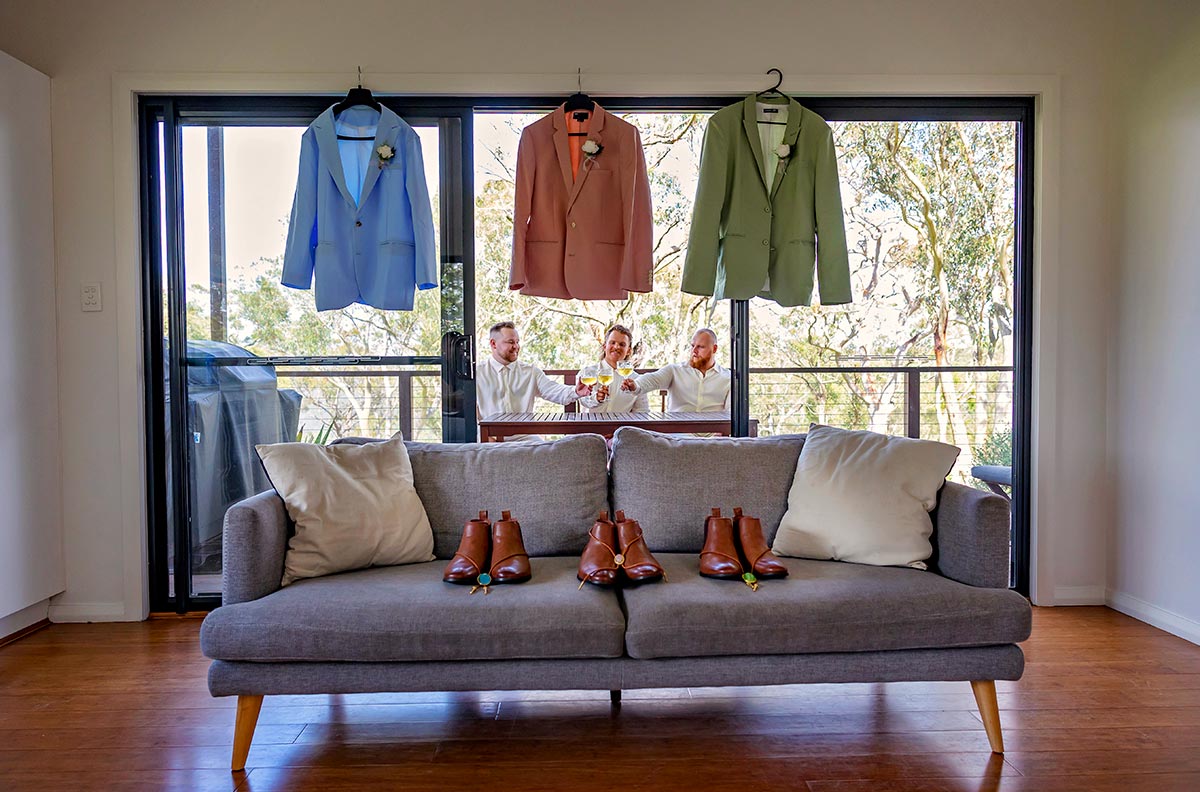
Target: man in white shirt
{"points": [[700, 385], [504, 384]]}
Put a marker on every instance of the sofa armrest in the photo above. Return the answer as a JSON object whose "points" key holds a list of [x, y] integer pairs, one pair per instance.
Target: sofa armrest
{"points": [[971, 536], [254, 542]]}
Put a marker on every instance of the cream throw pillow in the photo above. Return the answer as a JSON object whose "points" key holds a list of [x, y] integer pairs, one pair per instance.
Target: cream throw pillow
{"points": [[864, 497], [354, 506]]}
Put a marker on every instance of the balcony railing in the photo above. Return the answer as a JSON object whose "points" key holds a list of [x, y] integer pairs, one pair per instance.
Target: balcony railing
{"points": [[967, 406]]}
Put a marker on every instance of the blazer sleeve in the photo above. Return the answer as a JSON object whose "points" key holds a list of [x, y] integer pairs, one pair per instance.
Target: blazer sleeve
{"points": [[833, 263], [637, 268], [302, 228], [422, 213], [704, 238], [526, 166]]}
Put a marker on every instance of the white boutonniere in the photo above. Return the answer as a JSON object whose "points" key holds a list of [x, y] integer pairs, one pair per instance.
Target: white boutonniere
{"points": [[386, 153], [783, 151], [591, 148]]}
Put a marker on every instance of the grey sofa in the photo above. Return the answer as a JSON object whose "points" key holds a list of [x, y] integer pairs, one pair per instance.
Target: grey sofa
{"points": [[402, 629]]}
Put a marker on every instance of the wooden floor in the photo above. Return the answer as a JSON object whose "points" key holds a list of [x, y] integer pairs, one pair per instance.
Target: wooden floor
{"points": [[1107, 703]]}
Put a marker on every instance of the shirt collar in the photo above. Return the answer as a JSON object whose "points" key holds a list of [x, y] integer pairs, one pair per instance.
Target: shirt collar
{"points": [[496, 365], [717, 368]]}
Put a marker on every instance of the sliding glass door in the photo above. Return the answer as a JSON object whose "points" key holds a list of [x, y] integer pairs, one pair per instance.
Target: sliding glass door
{"points": [[246, 360], [937, 204]]}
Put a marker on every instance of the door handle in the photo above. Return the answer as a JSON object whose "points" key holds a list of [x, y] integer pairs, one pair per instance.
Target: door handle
{"points": [[464, 357]]}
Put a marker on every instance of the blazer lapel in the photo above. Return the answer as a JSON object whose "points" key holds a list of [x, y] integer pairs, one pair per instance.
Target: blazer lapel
{"points": [[385, 132], [790, 134], [560, 148], [328, 148], [595, 132], [750, 123]]}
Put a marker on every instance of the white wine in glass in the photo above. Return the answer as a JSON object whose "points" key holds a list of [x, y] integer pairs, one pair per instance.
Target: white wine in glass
{"points": [[605, 375], [624, 369], [588, 375]]}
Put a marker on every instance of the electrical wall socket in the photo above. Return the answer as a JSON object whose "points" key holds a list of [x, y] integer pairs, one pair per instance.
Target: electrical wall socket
{"points": [[89, 297]]}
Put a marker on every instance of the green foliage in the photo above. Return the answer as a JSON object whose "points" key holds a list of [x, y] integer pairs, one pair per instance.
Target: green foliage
{"points": [[320, 437], [996, 449]]}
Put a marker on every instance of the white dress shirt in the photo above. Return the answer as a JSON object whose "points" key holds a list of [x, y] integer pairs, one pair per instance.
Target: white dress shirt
{"points": [[513, 387], [688, 389], [617, 401]]}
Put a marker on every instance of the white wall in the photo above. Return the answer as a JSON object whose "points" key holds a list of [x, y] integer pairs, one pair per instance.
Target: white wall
{"points": [[1067, 51], [31, 546], [1155, 550]]}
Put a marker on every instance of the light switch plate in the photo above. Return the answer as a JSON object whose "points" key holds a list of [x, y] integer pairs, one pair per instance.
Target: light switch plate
{"points": [[89, 297]]}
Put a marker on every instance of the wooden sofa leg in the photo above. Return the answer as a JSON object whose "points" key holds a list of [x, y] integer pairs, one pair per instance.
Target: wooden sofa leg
{"points": [[614, 696], [989, 710], [243, 730]]}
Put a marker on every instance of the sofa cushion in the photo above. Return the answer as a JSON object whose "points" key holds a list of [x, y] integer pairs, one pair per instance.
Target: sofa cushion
{"points": [[864, 497], [822, 606], [670, 483], [408, 613], [554, 489], [353, 506]]}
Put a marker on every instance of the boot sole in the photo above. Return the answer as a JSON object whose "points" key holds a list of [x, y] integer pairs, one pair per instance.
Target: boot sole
{"points": [[737, 576], [499, 582], [639, 581], [598, 584]]}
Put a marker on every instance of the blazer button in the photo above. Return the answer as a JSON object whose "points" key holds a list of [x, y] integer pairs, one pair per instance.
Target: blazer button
{"points": [[766, 243], [767, 209], [358, 223], [572, 224]]}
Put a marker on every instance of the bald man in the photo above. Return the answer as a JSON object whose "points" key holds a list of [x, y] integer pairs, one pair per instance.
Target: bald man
{"points": [[700, 385]]}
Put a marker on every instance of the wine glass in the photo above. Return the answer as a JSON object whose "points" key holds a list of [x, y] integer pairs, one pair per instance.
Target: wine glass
{"points": [[604, 374], [625, 369], [588, 374]]}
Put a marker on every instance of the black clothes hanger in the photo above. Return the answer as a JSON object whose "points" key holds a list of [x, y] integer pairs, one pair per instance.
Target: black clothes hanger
{"points": [[357, 97], [774, 89], [578, 101]]}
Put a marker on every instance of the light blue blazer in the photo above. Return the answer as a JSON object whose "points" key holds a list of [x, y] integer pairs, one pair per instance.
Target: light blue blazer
{"points": [[375, 250]]}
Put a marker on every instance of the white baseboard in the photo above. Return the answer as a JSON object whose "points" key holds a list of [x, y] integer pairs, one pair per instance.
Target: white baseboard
{"points": [[1185, 628], [26, 617], [89, 612], [1079, 595]]}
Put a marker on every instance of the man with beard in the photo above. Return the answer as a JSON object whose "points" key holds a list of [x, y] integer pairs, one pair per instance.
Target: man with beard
{"points": [[700, 385]]}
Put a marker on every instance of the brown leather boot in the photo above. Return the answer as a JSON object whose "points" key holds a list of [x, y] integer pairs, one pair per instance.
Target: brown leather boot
{"points": [[598, 564], [756, 556], [471, 559], [639, 564], [510, 563], [719, 558]]}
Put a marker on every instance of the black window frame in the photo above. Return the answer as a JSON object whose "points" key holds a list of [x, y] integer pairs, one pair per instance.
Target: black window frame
{"points": [[260, 110]]}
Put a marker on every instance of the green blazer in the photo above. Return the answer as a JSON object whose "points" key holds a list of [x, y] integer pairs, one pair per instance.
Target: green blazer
{"points": [[750, 239]]}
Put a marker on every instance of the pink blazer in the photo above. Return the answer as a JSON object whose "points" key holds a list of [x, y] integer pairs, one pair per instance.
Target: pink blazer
{"points": [[588, 238]]}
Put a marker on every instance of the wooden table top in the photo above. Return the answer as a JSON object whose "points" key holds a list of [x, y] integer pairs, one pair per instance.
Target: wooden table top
{"points": [[499, 425], [627, 418]]}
